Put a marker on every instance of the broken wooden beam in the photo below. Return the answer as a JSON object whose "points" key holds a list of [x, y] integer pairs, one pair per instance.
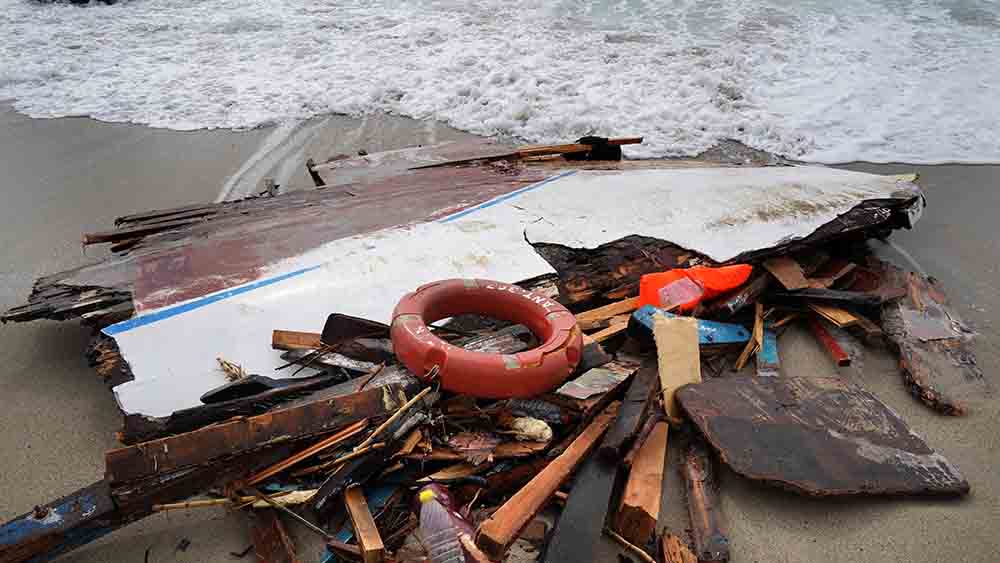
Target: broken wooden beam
{"points": [[533, 151], [500, 530], [365, 530], [271, 542], [830, 345], [336, 439], [678, 357], [636, 408], [832, 297], [137, 231], [639, 508], [241, 435], [707, 523]]}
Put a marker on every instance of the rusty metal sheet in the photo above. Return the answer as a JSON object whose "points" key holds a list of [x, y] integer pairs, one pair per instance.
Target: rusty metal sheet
{"points": [[816, 436]]}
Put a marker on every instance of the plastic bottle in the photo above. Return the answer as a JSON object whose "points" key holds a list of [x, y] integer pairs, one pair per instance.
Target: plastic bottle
{"points": [[441, 525]]}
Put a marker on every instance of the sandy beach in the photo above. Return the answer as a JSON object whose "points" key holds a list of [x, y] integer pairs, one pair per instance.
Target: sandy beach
{"points": [[66, 176]]}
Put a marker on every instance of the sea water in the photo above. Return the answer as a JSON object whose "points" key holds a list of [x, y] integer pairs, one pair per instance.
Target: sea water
{"points": [[822, 81]]}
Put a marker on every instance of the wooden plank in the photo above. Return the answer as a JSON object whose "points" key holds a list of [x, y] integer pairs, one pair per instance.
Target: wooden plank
{"points": [[294, 340], [678, 356], [871, 331], [589, 320], [639, 508], [833, 349], [499, 531], [611, 331], [835, 315], [710, 333], [636, 407], [787, 271], [756, 341], [369, 540], [816, 436], [830, 296], [830, 276], [676, 551], [241, 435], [532, 151], [704, 507], [271, 542]]}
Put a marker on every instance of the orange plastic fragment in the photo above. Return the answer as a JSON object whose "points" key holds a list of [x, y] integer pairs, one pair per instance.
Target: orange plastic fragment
{"points": [[712, 281]]}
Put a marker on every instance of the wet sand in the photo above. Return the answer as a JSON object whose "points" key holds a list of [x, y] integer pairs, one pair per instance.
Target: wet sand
{"points": [[63, 177]]}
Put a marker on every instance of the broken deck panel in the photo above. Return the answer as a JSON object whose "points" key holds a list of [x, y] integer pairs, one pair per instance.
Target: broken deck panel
{"points": [[218, 287], [817, 436], [935, 354]]}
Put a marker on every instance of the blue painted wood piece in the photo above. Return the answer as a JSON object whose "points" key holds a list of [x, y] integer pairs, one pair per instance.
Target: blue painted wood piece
{"points": [[767, 357], [710, 333], [377, 497], [55, 528]]}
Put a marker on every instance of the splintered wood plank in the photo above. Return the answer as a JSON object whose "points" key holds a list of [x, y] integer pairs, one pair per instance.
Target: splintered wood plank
{"points": [[835, 315], [833, 349], [271, 542], [326, 443], [589, 320], [365, 530], [787, 271], [676, 551], [678, 356], [708, 526], [294, 340], [636, 407], [640, 503], [816, 436], [496, 534]]}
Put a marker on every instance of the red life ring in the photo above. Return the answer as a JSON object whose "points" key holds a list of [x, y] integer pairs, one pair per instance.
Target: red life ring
{"points": [[490, 376]]}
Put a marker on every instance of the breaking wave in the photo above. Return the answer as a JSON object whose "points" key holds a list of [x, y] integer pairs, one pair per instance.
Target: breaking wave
{"points": [[825, 81]]}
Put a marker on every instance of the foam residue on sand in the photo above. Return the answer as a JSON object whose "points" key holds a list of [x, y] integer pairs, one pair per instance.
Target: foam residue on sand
{"points": [[824, 81]]}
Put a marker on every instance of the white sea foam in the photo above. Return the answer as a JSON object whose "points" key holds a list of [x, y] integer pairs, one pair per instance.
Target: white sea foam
{"points": [[826, 81]]}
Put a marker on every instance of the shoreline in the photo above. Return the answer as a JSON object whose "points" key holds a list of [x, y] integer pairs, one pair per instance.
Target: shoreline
{"points": [[66, 176]]}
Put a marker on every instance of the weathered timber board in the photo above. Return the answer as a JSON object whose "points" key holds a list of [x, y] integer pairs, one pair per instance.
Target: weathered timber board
{"points": [[817, 436], [245, 434], [935, 353]]}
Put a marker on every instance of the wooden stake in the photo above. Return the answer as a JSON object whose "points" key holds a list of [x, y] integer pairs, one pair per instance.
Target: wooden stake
{"points": [[369, 540], [679, 358], [640, 503], [756, 340], [496, 534]]}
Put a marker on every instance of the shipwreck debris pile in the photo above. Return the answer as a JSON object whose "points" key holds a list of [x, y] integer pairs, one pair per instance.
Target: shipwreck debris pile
{"points": [[383, 461]]}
